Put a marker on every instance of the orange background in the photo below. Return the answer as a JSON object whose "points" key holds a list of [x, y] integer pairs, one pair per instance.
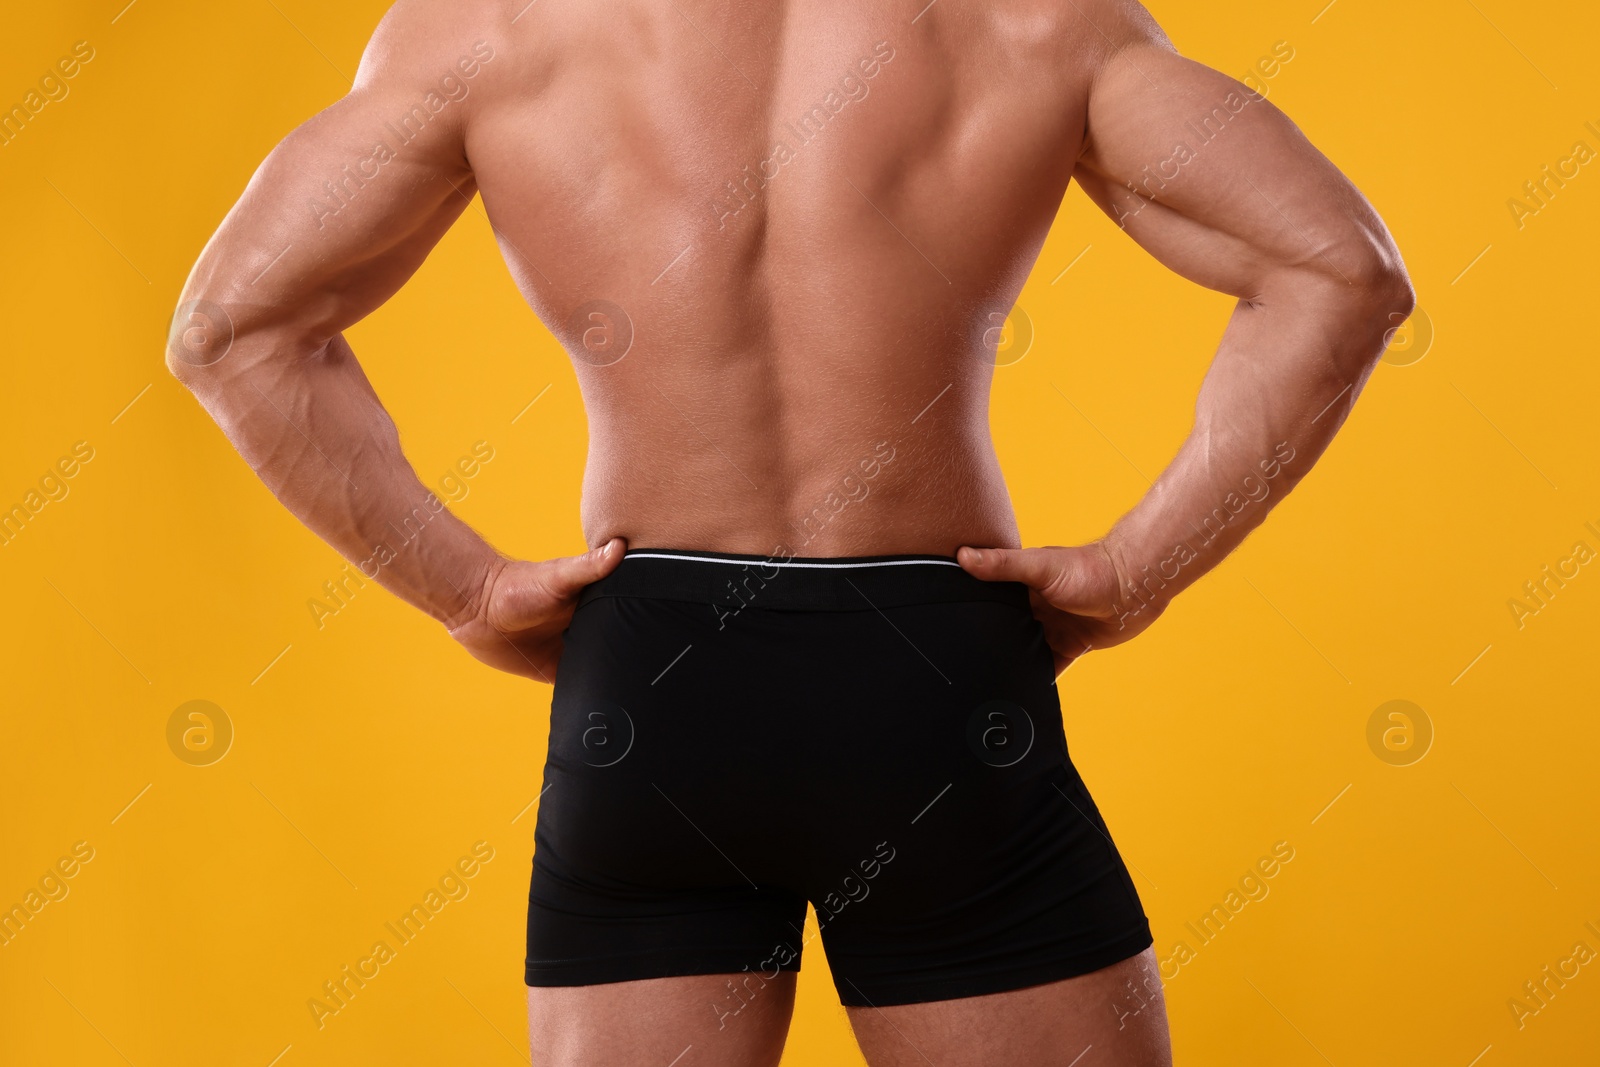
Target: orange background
{"points": [[370, 754]]}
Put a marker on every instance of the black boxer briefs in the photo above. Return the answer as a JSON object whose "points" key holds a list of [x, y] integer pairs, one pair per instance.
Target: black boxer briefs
{"points": [[734, 736]]}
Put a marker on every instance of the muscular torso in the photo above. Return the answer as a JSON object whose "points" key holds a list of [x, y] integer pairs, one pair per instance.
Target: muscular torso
{"points": [[799, 225], [779, 241]]}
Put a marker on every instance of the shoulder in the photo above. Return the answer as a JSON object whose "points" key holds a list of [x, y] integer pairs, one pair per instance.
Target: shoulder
{"points": [[1104, 35], [1076, 40], [427, 68], [1118, 22], [434, 44], [1110, 29]]}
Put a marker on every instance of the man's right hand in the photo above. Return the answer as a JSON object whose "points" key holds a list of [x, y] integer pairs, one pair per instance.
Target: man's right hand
{"points": [[517, 623], [1077, 594]]}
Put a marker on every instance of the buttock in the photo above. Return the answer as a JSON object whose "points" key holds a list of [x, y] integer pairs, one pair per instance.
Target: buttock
{"points": [[733, 738]]}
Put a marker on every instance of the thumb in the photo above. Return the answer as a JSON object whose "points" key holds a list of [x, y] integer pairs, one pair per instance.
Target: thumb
{"points": [[1034, 567], [565, 577]]}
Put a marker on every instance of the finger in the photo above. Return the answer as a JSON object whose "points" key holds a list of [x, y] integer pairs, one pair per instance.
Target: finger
{"points": [[564, 578], [1034, 567], [1079, 649]]}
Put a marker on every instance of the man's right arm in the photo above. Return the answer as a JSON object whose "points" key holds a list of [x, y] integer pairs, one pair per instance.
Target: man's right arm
{"points": [[1221, 187]]}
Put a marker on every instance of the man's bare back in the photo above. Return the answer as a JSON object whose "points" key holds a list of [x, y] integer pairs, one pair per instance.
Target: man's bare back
{"points": [[777, 240], [811, 227]]}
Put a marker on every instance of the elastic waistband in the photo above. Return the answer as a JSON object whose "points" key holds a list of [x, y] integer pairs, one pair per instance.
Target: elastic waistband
{"points": [[797, 583]]}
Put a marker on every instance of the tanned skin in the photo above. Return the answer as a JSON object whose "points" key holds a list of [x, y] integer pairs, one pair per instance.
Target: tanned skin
{"points": [[770, 338]]}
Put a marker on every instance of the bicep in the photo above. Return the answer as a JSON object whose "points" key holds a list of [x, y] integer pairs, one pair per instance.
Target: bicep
{"points": [[337, 217], [1216, 182]]}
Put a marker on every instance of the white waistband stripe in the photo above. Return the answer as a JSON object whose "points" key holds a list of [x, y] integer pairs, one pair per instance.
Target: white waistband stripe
{"points": [[776, 563]]}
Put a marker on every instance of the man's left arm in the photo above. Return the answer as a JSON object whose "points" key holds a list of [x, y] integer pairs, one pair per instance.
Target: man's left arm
{"points": [[334, 221]]}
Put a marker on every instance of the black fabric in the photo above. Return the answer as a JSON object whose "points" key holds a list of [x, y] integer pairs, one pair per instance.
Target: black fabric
{"points": [[788, 583], [883, 741]]}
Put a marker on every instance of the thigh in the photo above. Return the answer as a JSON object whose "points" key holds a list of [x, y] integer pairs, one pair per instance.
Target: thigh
{"points": [[1113, 1017], [705, 1020]]}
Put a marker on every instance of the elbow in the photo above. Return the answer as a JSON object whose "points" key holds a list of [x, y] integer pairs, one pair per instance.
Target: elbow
{"points": [[1365, 292], [1386, 300], [1368, 319], [1357, 293], [1374, 275], [1384, 286], [201, 334], [177, 366]]}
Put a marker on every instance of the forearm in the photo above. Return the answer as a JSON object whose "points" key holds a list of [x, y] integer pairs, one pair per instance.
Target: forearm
{"points": [[309, 424], [1285, 376]]}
